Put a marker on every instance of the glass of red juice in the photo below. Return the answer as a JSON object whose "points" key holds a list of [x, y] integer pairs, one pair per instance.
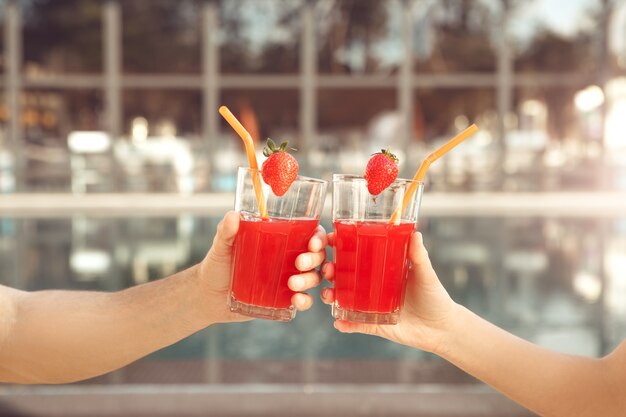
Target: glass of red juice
{"points": [[265, 249], [371, 253]]}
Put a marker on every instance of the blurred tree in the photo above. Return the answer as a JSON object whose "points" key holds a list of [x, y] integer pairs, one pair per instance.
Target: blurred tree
{"points": [[157, 35], [260, 36], [63, 35], [439, 108], [583, 53], [461, 37], [161, 36], [232, 50], [551, 52], [346, 25]]}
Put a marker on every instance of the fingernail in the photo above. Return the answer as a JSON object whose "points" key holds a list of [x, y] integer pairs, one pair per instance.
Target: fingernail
{"points": [[297, 282], [298, 300], [305, 262]]}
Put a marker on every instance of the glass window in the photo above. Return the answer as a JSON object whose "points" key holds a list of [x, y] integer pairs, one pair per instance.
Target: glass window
{"points": [[615, 105], [2, 42], [439, 111], [50, 120], [160, 149], [454, 36], [353, 124], [174, 112], [260, 36], [361, 36], [265, 114], [438, 114], [617, 38], [553, 36], [555, 140], [161, 36], [62, 36]]}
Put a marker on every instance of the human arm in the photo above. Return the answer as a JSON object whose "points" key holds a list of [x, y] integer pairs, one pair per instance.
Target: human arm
{"points": [[547, 382], [65, 336]]}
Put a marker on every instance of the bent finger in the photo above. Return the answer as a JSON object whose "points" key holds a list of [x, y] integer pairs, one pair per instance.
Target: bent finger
{"points": [[328, 271], [309, 260], [303, 282], [350, 327], [327, 295], [318, 242], [301, 301], [331, 239]]}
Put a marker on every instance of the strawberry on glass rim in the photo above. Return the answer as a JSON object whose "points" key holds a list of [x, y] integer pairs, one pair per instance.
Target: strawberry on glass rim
{"points": [[280, 169], [381, 171]]}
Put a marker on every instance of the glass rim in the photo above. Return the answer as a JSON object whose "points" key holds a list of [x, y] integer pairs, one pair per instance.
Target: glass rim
{"points": [[359, 178], [300, 178]]}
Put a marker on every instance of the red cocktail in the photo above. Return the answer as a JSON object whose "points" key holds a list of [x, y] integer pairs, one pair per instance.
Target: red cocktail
{"points": [[371, 265], [266, 247], [265, 253], [371, 250]]}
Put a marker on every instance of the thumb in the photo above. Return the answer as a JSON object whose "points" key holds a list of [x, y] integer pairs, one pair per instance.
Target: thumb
{"points": [[225, 236], [351, 327], [418, 255]]}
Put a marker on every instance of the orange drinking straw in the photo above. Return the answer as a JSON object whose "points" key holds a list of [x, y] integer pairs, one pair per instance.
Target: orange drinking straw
{"points": [[254, 166], [421, 172]]}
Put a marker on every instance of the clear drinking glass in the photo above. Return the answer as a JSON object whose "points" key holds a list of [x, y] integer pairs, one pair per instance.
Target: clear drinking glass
{"points": [[371, 253], [265, 250]]}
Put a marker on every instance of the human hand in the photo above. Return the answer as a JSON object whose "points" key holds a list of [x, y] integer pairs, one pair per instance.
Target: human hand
{"points": [[215, 271], [428, 309]]}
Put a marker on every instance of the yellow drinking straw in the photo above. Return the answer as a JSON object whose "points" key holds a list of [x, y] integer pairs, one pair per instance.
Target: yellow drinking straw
{"points": [[421, 172], [254, 166]]}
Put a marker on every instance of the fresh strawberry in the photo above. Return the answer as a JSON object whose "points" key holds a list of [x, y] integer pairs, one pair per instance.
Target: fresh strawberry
{"points": [[280, 168], [381, 171]]}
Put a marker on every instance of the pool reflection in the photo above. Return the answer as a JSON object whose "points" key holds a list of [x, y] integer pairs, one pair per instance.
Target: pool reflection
{"points": [[557, 282]]}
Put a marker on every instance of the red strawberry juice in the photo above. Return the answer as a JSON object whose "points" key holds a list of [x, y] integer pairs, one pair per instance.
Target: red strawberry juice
{"points": [[371, 265], [265, 252]]}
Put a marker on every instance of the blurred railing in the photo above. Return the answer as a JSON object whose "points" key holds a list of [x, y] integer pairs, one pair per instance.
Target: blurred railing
{"points": [[261, 400], [558, 204]]}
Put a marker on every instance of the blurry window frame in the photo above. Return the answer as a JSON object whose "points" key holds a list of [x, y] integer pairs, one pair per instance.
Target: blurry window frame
{"points": [[210, 82]]}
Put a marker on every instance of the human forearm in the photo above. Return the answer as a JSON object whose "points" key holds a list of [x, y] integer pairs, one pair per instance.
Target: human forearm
{"points": [[550, 383], [63, 336], [547, 382]]}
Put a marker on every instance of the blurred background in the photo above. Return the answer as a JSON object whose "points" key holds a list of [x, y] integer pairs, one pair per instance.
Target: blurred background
{"points": [[115, 169]]}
